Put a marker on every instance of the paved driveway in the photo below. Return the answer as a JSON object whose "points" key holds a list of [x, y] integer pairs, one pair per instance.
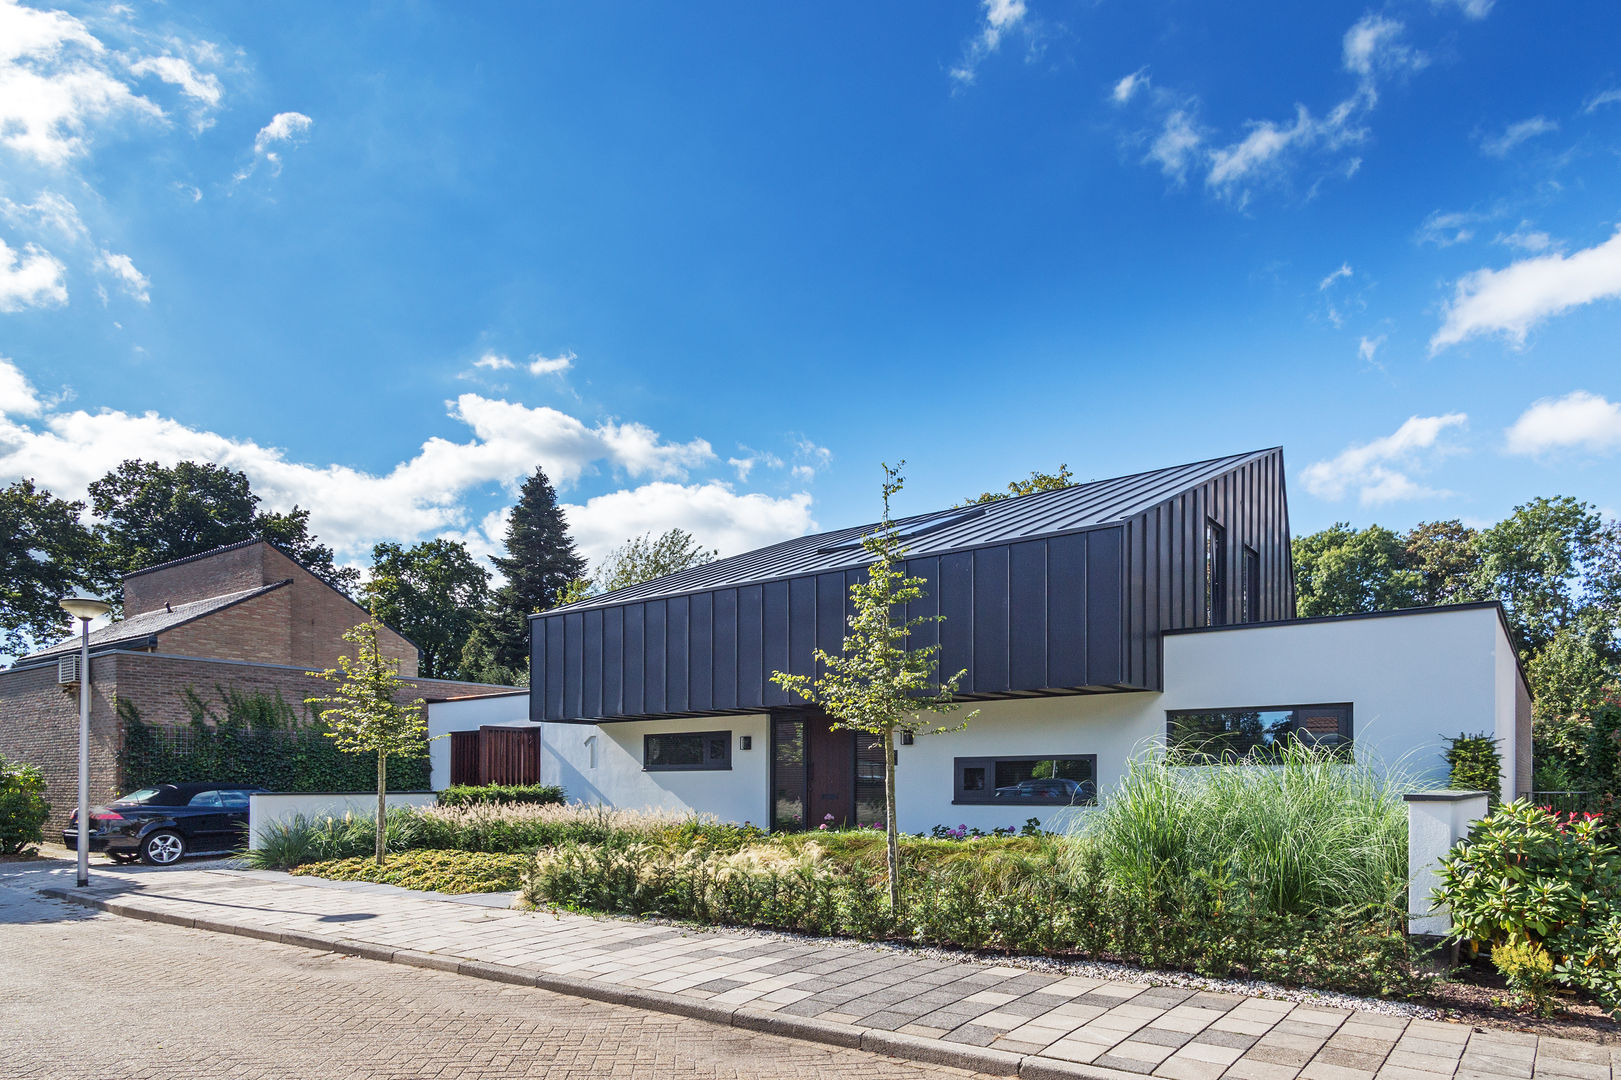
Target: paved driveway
{"points": [[84, 994]]}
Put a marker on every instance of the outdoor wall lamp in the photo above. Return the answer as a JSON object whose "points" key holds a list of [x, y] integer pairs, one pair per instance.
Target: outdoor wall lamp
{"points": [[84, 608]]}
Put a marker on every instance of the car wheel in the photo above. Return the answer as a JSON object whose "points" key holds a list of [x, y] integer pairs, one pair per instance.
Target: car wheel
{"points": [[162, 848]]}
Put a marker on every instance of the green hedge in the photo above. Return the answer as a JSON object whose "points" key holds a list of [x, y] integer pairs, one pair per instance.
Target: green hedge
{"points": [[252, 739], [23, 809], [501, 794]]}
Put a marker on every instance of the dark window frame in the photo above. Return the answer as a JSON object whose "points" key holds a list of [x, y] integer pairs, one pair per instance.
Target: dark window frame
{"points": [[709, 763], [1250, 589], [961, 797], [1347, 727], [1215, 573]]}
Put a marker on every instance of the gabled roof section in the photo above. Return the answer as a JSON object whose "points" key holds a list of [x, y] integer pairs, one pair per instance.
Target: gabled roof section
{"points": [[148, 623], [1044, 513], [210, 553]]}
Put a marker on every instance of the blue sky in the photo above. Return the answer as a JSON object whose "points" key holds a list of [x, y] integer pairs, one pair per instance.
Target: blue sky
{"points": [[709, 265]]}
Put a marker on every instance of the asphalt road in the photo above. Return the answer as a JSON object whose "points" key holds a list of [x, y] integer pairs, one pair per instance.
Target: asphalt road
{"points": [[85, 994]]}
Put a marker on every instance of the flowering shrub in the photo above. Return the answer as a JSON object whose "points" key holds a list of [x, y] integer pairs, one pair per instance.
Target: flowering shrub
{"points": [[1031, 827], [1528, 875]]}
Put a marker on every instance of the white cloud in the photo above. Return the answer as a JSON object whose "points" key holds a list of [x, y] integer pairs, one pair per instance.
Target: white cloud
{"points": [[1577, 421], [1378, 470], [493, 362], [1001, 17], [31, 278], [1471, 9], [1528, 239], [17, 395], [1127, 88], [1374, 46], [122, 268], [203, 88], [1265, 154], [1368, 348], [1607, 97], [551, 365], [1177, 145], [49, 212], [716, 515], [1515, 134], [65, 448], [1444, 229], [1512, 300], [285, 128], [1344, 271]]}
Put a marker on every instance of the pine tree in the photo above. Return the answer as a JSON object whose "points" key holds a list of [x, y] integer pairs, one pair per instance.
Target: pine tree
{"points": [[539, 565]]}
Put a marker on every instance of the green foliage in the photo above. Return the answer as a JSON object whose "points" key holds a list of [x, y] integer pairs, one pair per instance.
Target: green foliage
{"points": [[1343, 571], [1526, 875], [539, 564], [1548, 562], [469, 795], [148, 513], [364, 714], [1444, 556], [1528, 969], [1038, 481], [431, 871], [23, 809], [45, 553], [252, 739], [878, 682], [647, 557], [433, 593], [1475, 765]]}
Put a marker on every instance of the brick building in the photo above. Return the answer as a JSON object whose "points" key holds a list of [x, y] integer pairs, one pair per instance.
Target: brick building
{"points": [[244, 617]]}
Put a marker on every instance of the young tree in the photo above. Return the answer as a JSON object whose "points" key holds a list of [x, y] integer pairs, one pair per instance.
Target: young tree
{"points": [[878, 683], [364, 714], [1038, 481], [646, 557], [539, 565], [432, 593], [44, 554]]}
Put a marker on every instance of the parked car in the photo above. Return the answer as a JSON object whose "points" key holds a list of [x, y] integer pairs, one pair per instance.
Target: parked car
{"points": [[159, 825]]}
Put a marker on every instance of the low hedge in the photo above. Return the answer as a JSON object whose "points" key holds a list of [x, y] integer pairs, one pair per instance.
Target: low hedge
{"points": [[429, 871], [501, 795]]}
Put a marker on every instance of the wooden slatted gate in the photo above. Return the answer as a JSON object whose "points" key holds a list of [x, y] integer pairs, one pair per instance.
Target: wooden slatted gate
{"points": [[495, 755]]}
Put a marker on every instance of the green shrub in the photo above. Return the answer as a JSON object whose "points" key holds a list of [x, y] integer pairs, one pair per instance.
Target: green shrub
{"points": [[1527, 875], [1474, 765], [468, 794], [1528, 969], [430, 871], [256, 739], [283, 845], [23, 809]]}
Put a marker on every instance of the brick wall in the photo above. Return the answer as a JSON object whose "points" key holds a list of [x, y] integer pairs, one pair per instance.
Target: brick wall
{"points": [[320, 614], [259, 631], [39, 724], [220, 573]]}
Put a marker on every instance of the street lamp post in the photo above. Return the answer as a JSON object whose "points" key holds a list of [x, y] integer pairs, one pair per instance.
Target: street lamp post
{"points": [[84, 608]]}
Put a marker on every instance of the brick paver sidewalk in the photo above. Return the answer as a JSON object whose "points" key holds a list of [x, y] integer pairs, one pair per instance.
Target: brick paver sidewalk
{"points": [[975, 1015]]}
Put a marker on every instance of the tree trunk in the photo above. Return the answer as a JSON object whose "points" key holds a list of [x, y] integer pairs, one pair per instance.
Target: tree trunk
{"points": [[382, 803], [892, 834]]}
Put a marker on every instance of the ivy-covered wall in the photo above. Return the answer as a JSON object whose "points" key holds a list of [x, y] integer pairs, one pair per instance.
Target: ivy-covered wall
{"points": [[253, 739]]}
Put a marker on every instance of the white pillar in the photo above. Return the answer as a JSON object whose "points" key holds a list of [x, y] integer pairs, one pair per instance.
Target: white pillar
{"points": [[1436, 820]]}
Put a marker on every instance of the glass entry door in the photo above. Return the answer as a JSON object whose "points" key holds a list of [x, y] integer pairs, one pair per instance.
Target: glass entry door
{"points": [[823, 777]]}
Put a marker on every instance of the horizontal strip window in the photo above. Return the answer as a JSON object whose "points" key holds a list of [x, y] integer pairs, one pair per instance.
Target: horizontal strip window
{"points": [[1044, 780], [1211, 736], [687, 751]]}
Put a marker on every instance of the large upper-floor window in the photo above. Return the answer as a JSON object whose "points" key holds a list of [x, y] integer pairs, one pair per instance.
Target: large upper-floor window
{"points": [[1215, 574], [1251, 734], [687, 750], [1042, 780]]}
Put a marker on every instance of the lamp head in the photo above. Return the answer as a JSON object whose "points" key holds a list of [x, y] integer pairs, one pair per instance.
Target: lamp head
{"points": [[82, 606]]}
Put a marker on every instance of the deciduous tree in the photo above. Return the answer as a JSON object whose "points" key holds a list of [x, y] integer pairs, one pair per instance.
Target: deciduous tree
{"points": [[1038, 481], [646, 557], [45, 553], [433, 593], [1345, 571]]}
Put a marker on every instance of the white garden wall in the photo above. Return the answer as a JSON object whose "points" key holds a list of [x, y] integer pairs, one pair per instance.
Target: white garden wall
{"points": [[468, 714], [265, 808]]}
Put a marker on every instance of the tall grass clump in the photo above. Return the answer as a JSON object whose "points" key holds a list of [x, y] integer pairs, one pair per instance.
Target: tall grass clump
{"points": [[1304, 832], [284, 844]]}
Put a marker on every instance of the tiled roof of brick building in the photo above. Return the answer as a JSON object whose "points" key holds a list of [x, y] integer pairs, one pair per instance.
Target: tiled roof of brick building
{"points": [[148, 623]]}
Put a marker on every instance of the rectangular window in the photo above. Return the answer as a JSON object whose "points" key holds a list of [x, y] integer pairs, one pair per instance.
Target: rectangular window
{"points": [[869, 779], [687, 751], [1212, 736], [1046, 780], [787, 773], [1215, 574], [1251, 592]]}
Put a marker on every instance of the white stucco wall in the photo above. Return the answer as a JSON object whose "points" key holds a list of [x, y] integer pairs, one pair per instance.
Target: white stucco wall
{"points": [[614, 773], [267, 807], [467, 714]]}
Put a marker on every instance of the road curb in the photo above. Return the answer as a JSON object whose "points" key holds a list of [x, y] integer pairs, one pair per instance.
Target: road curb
{"points": [[803, 1028]]}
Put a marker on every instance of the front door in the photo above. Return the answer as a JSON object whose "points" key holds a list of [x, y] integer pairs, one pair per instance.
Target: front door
{"points": [[830, 758]]}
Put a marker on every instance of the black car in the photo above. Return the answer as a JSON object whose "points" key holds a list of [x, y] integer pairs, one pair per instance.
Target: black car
{"points": [[160, 824]]}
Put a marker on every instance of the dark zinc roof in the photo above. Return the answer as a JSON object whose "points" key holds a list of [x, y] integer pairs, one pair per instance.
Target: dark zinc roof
{"points": [[1045, 513], [148, 623]]}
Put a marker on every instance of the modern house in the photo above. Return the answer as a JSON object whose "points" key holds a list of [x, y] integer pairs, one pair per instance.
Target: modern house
{"points": [[1091, 622], [246, 617]]}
